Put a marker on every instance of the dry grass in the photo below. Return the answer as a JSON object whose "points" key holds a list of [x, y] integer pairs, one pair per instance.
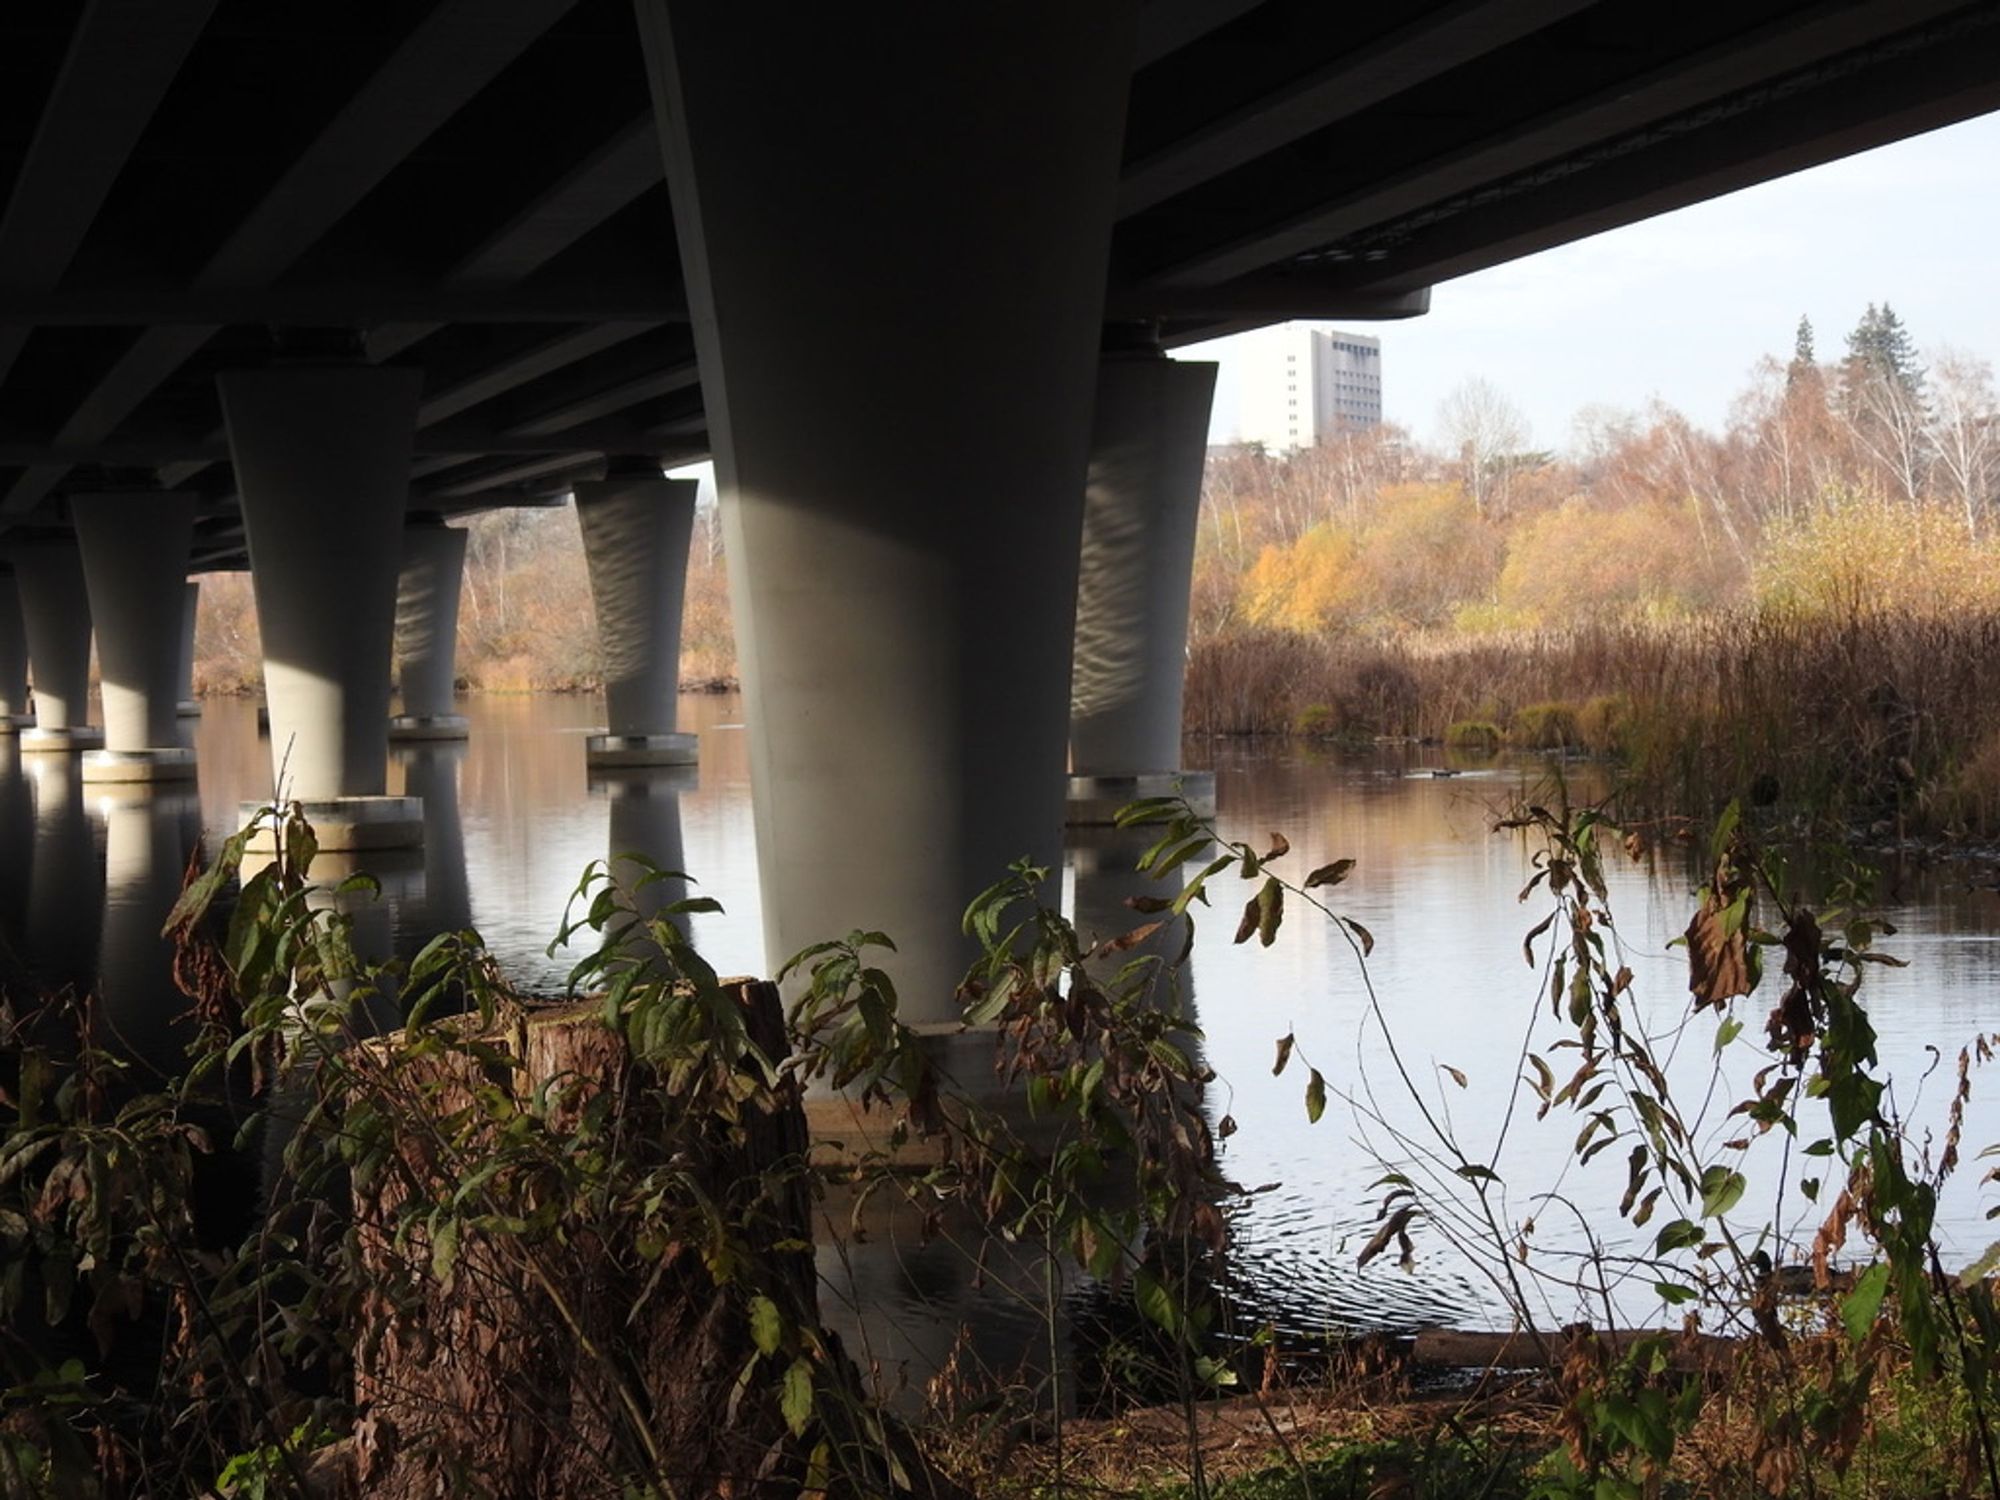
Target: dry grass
{"points": [[1879, 715]]}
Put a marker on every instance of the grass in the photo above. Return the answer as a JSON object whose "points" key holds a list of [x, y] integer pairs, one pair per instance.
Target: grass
{"points": [[1881, 717]]}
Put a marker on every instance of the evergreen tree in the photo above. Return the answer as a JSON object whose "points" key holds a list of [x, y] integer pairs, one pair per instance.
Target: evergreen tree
{"points": [[1803, 372]]}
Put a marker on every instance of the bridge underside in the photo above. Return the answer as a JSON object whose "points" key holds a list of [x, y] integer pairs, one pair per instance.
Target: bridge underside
{"points": [[475, 188]]}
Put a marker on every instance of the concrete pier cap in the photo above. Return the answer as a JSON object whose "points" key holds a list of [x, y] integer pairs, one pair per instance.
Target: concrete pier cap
{"points": [[636, 526], [55, 615], [135, 553], [322, 455]]}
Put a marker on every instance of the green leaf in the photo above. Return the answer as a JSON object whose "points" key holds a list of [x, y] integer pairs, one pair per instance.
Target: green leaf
{"points": [[1679, 1235], [1270, 910], [1859, 1307], [1721, 1189], [767, 1326], [1155, 1301], [1673, 1293], [795, 1402], [444, 1249], [1315, 1097]]}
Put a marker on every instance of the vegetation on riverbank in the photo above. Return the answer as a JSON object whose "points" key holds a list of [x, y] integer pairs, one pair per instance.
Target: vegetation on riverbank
{"points": [[477, 1236], [1797, 611]]}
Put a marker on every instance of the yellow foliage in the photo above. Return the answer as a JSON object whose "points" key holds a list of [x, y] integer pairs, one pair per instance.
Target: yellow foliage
{"points": [[1583, 562], [1864, 555], [1307, 587]]}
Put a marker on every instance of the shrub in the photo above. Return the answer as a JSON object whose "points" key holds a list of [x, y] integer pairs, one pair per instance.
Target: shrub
{"points": [[1474, 734], [1544, 726]]}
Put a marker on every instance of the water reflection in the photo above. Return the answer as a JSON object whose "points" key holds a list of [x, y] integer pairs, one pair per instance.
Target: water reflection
{"points": [[643, 842], [513, 817], [140, 1015]]}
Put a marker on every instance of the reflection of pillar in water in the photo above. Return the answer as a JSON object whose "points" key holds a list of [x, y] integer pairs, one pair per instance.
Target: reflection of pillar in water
{"points": [[140, 1015], [645, 834], [17, 845], [1105, 864], [64, 893], [906, 1306], [430, 774]]}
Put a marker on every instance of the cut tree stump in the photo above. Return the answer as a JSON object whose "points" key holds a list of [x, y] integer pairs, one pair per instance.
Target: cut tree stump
{"points": [[531, 1370]]}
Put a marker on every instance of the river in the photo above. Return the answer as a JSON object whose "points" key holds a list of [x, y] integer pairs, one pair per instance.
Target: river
{"points": [[515, 817]]}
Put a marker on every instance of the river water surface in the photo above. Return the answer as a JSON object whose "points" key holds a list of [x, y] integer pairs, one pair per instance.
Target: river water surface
{"points": [[514, 818]]}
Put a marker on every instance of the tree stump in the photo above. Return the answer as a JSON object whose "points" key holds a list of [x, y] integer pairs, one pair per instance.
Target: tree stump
{"points": [[569, 1359]]}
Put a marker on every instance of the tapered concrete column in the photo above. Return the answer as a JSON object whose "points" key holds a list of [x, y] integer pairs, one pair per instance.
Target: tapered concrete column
{"points": [[55, 612], [322, 455], [895, 228], [14, 713], [189, 705], [1139, 519], [635, 542], [427, 632], [135, 555]]}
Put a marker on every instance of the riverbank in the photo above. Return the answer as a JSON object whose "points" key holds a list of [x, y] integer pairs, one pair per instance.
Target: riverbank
{"points": [[1880, 718]]}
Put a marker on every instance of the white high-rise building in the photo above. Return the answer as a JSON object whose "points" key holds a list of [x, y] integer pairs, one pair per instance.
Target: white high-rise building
{"points": [[1298, 385]]}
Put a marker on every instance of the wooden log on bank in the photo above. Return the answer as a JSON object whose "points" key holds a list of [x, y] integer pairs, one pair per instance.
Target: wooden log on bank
{"points": [[552, 1363], [1449, 1349]]}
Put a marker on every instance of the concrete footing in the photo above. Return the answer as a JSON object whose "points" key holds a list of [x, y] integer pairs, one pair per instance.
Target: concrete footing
{"points": [[1094, 801], [412, 728], [70, 739], [155, 763], [604, 752], [351, 824]]}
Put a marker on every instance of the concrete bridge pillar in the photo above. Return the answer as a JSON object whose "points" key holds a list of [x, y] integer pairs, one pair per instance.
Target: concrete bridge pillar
{"points": [[13, 658], [135, 555], [1139, 519], [427, 631], [55, 612], [636, 531], [897, 362], [322, 455], [188, 706]]}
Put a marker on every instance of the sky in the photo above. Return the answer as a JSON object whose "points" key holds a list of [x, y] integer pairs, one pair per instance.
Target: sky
{"points": [[1684, 305]]}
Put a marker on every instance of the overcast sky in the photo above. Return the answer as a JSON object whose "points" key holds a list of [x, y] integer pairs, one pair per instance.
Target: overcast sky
{"points": [[1682, 306]]}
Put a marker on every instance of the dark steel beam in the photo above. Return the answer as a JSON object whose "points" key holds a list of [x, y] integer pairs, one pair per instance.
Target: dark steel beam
{"points": [[454, 52], [121, 58], [1826, 29], [1441, 40]]}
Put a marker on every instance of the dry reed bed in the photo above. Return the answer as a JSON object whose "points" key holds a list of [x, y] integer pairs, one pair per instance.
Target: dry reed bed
{"points": [[1887, 714]]}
